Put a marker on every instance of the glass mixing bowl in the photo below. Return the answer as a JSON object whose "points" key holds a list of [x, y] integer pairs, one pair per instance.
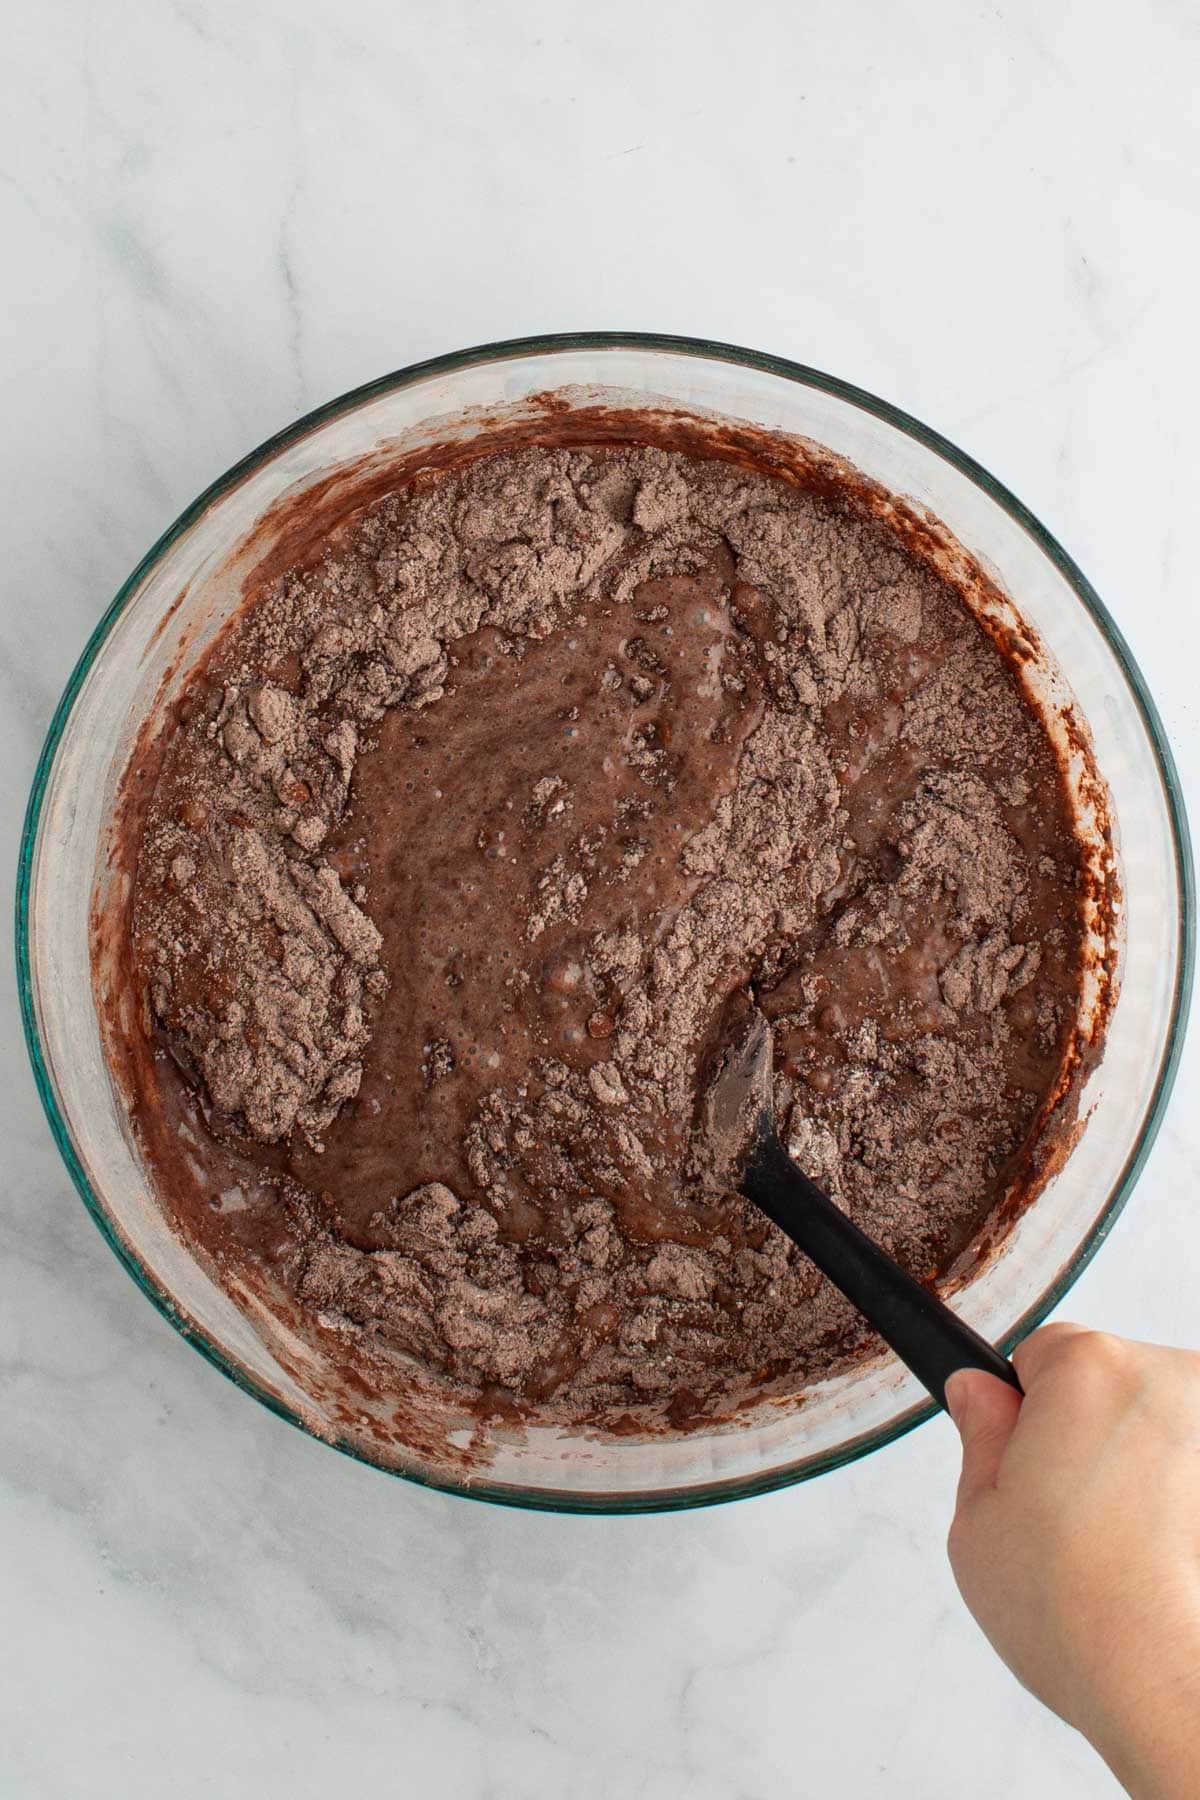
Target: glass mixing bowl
{"points": [[165, 616]]}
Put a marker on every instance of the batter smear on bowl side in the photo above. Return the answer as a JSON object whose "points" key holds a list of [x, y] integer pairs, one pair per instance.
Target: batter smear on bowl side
{"points": [[466, 836]]}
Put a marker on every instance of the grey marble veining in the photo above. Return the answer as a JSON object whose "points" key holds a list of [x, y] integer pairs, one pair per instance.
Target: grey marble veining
{"points": [[217, 215]]}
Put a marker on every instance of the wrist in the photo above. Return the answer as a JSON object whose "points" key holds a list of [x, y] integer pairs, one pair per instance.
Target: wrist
{"points": [[1146, 1723]]}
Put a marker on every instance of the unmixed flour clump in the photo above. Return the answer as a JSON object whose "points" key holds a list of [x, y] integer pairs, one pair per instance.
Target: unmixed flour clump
{"points": [[469, 836]]}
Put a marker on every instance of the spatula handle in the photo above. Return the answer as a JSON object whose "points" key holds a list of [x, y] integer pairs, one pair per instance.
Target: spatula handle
{"points": [[920, 1328]]}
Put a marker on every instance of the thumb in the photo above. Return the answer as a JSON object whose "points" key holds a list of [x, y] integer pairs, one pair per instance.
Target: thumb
{"points": [[985, 1410]]}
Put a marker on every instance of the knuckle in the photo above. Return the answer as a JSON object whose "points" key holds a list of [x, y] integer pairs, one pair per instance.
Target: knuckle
{"points": [[1099, 1355], [1073, 1353], [1057, 1339], [1040, 1350]]}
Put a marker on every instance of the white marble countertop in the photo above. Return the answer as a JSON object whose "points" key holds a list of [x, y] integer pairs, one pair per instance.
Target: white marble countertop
{"points": [[218, 213]]}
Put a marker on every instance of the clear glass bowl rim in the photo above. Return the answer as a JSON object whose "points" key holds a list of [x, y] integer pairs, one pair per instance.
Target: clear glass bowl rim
{"points": [[802, 374]]}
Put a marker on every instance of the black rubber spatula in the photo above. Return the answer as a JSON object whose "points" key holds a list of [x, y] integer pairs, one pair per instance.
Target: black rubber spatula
{"points": [[749, 1156]]}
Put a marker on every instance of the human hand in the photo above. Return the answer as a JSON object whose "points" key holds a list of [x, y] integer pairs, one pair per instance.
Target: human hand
{"points": [[1076, 1542]]}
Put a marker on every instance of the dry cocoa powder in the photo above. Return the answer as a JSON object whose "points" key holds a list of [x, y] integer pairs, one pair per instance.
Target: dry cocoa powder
{"points": [[468, 837]]}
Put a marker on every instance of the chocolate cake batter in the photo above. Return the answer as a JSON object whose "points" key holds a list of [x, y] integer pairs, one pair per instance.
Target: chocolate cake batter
{"points": [[467, 837]]}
